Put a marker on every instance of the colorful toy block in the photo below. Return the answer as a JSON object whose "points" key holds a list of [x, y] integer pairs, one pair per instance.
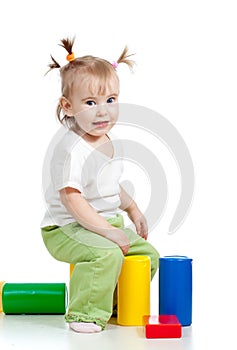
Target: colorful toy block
{"points": [[134, 290], [162, 326], [33, 298], [175, 287]]}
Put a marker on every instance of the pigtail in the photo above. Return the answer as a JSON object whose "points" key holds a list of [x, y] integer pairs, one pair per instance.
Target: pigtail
{"points": [[53, 65], [124, 58], [67, 44]]}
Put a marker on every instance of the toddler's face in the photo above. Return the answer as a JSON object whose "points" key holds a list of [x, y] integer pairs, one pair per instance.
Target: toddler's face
{"points": [[94, 113]]}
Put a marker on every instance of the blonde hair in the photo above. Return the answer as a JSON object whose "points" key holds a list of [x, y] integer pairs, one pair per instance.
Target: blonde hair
{"points": [[100, 69]]}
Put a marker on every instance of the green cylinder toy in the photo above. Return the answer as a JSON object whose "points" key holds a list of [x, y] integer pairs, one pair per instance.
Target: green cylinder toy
{"points": [[34, 298]]}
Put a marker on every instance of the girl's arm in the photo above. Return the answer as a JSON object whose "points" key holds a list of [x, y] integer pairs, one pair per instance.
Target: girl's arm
{"points": [[85, 215], [134, 213]]}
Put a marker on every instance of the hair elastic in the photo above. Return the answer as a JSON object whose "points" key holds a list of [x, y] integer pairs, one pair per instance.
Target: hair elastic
{"points": [[70, 57], [115, 64]]}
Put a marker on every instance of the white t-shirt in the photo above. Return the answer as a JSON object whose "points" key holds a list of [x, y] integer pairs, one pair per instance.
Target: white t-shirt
{"points": [[77, 164]]}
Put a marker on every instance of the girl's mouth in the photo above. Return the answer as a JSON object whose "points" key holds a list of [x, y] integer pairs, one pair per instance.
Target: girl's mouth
{"points": [[101, 124]]}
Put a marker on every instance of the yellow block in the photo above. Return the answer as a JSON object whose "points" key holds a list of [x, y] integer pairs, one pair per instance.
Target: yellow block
{"points": [[1, 288], [134, 290], [71, 269]]}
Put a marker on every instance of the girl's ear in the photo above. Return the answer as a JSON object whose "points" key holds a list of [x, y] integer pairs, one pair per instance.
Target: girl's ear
{"points": [[66, 106]]}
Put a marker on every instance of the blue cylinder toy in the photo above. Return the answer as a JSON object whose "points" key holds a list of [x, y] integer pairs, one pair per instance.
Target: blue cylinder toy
{"points": [[175, 288]]}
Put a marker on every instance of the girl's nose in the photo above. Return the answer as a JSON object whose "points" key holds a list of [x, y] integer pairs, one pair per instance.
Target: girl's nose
{"points": [[101, 110]]}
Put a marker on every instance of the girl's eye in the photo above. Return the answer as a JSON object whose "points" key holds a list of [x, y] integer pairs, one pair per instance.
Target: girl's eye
{"points": [[111, 100], [90, 103]]}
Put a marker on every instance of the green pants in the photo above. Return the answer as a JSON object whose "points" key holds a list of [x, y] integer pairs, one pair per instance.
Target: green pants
{"points": [[98, 263]]}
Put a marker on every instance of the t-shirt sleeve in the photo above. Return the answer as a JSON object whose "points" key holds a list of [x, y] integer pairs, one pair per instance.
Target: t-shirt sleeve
{"points": [[68, 170]]}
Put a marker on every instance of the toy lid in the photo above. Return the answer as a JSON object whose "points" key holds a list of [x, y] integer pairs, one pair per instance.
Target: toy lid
{"points": [[176, 258]]}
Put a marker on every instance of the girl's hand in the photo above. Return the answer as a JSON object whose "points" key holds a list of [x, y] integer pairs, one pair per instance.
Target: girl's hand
{"points": [[135, 215], [119, 237], [139, 221]]}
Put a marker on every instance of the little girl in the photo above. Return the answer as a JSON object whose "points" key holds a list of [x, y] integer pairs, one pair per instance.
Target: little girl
{"points": [[83, 224]]}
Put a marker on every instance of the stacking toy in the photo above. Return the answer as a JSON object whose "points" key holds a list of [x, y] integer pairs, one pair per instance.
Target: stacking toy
{"points": [[163, 326], [175, 288], [34, 298], [134, 291]]}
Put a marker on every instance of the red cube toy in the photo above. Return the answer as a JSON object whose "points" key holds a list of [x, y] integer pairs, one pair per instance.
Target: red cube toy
{"points": [[162, 326]]}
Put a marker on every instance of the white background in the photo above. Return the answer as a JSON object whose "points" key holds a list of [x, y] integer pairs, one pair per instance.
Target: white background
{"points": [[186, 70]]}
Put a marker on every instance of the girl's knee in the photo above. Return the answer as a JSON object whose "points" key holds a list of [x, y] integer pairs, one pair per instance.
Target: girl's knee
{"points": [[151, 251], [116, 256]]}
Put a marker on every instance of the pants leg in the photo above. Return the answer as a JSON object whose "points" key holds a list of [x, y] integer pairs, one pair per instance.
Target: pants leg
{"points": [[98, 263], [92, 286]]}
